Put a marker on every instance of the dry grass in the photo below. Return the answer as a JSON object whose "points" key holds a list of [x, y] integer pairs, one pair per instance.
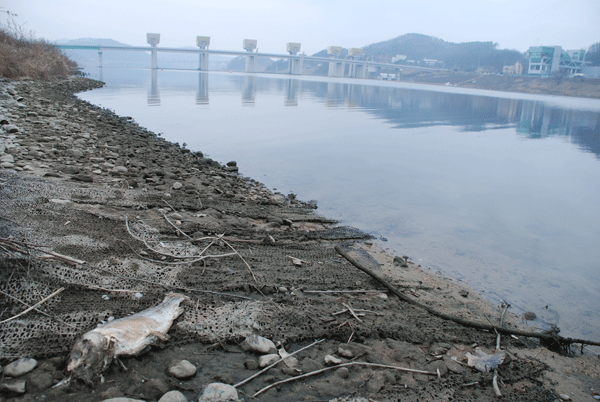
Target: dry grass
{"points": [[23, 56]]}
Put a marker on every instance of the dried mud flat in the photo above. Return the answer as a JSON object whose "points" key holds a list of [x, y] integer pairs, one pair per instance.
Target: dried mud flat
{"points": [[116, 217]]}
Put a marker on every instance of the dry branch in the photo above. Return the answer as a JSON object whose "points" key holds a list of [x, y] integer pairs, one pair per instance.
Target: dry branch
{"points": [[33, 307], [548, 337], [342, 365]]}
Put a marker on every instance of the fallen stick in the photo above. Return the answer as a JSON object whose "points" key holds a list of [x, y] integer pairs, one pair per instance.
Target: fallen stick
{"points": [[33, 307], [549, 337], [176, 228], [342, 365], [495, 384], [38, 310], [341, 291], [51, 255], [239, 384], [352, 312]]}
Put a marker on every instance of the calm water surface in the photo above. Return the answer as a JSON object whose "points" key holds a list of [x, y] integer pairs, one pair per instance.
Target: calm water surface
{"points": [[499, 190]]}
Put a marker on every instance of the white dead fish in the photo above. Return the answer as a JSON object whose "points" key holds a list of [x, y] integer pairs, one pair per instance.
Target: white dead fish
{"points": [[127, 336]]}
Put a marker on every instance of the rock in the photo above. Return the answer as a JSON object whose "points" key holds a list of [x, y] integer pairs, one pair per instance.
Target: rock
{"points": [[16, 386], [40, 381], [76, 153], [112, 392], [564, 397], [530, 316], [173, 396], [259, 344], [153, 389], [20, 367], [217, 392], [11, 128], [7, 158], [251, 364], [122, 399], [181, 369], [176, 216], [232, 163], [351, 350], [267, 360], [177, 185], [463, 293], [390, 377], [330, 360], [51, 174], [376, 382], [438, 365], [85, 178], [7, 165], [117, 170], [343, 372], [224, 378]]}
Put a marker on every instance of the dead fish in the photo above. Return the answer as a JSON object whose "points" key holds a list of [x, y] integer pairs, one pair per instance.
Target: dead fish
{"points": [[127, 336]]}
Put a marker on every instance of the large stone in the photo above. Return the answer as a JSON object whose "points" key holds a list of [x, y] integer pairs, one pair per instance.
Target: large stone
{"points": [[153, 389], [122, 399], [39, 381], [218, 392], [181, 369], [75, 153], [20, 367], [267, 360], [173, 396], [11, 128], [259, 344], [7, 158], [16, 386]]}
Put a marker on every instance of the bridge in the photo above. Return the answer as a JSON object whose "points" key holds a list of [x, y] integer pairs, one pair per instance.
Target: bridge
{"points": [[358, 66]]}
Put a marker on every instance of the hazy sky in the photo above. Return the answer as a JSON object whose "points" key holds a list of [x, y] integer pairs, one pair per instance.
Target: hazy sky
{"points": [[514, 24]]}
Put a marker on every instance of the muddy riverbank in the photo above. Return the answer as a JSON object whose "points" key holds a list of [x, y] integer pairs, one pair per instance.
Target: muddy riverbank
{"points": [[115, 216]]}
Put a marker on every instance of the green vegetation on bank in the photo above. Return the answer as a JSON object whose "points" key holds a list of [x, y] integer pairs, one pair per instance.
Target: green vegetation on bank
{"points": [[23, 56]]}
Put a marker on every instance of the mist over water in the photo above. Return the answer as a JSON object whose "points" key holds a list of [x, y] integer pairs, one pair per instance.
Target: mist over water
{"points": [[500, 190]]}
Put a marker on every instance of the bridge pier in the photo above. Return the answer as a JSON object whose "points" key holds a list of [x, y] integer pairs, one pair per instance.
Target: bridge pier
{"points": [[153, 40], [249, 46], [203, 42]]}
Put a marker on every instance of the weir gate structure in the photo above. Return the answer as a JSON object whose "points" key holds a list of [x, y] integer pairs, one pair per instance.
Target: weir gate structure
{"points": [[358, 67]]}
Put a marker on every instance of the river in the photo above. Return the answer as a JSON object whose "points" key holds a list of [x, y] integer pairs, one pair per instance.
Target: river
{"points": [[499, 190]]}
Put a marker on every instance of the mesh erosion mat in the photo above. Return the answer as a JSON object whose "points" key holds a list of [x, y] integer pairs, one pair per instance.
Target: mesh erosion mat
{"points": [[131, 265]]}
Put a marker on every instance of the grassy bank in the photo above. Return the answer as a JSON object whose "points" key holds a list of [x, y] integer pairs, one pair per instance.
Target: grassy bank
{"points": [[23, 56]]}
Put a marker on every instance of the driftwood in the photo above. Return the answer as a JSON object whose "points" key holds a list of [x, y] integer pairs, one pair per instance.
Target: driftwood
{"points": [[549, 337]]}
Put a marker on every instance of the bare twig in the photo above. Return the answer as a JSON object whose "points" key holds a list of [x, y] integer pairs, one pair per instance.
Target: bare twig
{"points": [[239, 384], [176, 228], [33, 307], [38, 310], [495, 384], [352, 312], [343, 365], [51, 255]]}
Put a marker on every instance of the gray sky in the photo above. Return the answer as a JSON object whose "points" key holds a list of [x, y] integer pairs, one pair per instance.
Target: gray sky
{"points": [[514, 24]]}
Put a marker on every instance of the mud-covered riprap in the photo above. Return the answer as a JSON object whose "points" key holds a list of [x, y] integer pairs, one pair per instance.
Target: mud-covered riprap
{"points": [[116, 217]]}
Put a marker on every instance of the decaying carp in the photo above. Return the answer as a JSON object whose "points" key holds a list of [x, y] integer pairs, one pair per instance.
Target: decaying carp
{"points": [[127, 336]]}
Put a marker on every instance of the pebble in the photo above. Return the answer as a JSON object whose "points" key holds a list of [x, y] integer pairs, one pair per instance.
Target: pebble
{"points": [[20, 367], [564, 397], [177, 185], [259, 344], [122, 399], [331, 360], [530, 316], [267, 360], [181, 369], [343, 372], [218, 392], [173, 396]]}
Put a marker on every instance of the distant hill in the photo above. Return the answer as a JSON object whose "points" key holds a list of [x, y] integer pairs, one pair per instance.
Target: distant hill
{"points": [[466, 56], [239, 64]]}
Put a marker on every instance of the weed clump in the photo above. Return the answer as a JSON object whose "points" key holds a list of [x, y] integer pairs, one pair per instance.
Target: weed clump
{"points": [[23, 56]]}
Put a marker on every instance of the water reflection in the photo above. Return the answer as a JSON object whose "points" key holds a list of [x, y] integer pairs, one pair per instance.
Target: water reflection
{"points": [[407, 108], [291, 92], [202, 95], [249, 91], [153, 95]]}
